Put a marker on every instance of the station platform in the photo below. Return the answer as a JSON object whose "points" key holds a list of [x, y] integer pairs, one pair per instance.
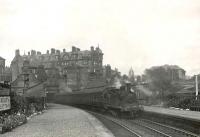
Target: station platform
{"points": [[61, 121], [191, 115]]}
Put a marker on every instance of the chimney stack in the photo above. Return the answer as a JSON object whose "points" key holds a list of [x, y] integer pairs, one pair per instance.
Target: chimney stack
{"points": [[58, 52], [33, 52], [47, 51], [92, 48], [52, 51], [64, 50], [73, 48], [17, 52], [38, 53]]}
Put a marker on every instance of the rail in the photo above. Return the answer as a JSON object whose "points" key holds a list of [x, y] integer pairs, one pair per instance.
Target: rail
{"points": [[175, 130], [118, 122], [154, 131]]}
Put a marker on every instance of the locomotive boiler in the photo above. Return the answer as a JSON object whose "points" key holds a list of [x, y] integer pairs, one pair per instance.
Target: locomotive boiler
{"points": [[118, 101]]}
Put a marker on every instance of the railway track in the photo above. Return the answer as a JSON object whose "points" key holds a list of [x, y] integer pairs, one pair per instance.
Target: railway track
{"points": [[169, 130], [136, 128], [147, 128], [117, 122]]}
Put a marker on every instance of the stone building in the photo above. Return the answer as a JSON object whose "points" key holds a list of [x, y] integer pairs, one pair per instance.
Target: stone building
{"points": [[16, 65], [107, 71], [74, 66], [175, 72], [29, 79], [2, 65], [5, 72]]}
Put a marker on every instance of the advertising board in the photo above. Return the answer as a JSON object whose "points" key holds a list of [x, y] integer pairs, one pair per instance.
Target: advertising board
{"points": [[5, 103]]}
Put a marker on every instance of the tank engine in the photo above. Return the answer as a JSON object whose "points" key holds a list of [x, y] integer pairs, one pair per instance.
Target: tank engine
{"points": [[122, 101]]}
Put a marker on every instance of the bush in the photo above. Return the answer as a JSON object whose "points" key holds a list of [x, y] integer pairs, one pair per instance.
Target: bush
{"points": [[8, 122]]}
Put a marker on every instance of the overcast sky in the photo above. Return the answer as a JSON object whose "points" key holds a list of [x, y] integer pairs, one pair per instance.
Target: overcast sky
{"points": [[137, 33]]}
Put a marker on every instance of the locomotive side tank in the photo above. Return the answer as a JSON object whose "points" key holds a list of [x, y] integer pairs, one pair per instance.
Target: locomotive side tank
{"points": [[123, 100], [119, 101]]}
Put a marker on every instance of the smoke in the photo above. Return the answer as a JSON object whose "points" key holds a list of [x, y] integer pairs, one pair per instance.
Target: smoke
{"points": [[144, 90], [127, 81], [63, 88], [117, 83]]}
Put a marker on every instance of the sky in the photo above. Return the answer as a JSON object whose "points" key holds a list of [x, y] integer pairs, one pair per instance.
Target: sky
{"points": [[131, 33]]}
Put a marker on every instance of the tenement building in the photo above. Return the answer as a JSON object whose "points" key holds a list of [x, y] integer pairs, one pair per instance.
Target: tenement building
{"points": [[5, 73], [73, 66]]}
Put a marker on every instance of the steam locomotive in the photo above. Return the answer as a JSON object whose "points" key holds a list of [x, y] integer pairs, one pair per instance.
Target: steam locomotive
{"points": [[121, 101]]}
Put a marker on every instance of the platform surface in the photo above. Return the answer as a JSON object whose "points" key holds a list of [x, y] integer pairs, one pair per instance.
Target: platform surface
{"points": [[61, 121], [193, 115]]}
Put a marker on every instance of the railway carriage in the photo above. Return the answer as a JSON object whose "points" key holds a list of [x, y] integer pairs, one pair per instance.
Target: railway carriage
{"points": [[122, 101]]}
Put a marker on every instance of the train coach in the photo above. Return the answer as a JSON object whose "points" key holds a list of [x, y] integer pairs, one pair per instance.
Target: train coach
{"points": [[118, 101]]}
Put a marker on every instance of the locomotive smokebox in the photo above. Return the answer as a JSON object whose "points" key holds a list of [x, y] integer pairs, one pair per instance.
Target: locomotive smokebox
{"points": [[128, 86]]}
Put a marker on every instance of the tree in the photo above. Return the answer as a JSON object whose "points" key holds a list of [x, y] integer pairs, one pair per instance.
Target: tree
{"points": [[159, 80]]}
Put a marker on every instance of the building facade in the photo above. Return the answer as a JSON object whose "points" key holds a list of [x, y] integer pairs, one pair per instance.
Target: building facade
{"points": [[28, 79], [175, 72], [172, 72], [2, 65], [74, 66], [5, 72]]}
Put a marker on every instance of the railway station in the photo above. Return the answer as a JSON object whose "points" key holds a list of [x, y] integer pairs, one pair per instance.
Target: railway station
{"points": [[98, 68], [71, 93], [61, 121]]}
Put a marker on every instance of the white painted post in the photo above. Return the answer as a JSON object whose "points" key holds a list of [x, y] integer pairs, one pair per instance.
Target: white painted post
{"points": [[197, 90]]}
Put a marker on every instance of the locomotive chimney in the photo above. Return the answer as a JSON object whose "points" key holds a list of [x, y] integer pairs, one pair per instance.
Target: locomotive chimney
{"points": [[128, 87]]}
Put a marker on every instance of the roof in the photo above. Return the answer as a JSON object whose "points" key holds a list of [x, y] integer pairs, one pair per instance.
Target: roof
{"points": [[173, 67], [186, 91], [168, 67], [1, 58], [35, 91]]}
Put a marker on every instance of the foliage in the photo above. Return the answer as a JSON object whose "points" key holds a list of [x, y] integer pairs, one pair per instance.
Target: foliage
{"points": [[21, 108], [160, 81], [159, 78], [8, 122]]}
